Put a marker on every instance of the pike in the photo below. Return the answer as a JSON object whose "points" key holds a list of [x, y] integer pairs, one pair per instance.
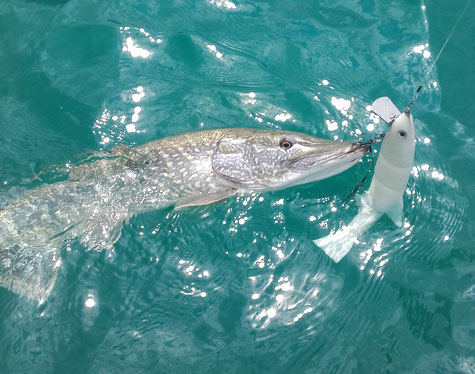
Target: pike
{"points": [[195, 168]]}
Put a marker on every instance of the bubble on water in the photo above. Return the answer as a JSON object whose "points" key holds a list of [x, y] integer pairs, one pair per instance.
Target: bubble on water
{"points": [[332, 125], [134, 50], [271, 312], [90, 302], [341, 104]]}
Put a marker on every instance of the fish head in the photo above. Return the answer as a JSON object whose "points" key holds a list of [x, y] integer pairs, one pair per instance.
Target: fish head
{"points": [[399, 141], [266, 159]]}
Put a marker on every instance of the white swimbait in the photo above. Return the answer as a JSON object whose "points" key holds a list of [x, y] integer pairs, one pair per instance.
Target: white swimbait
{"points": [[384, 196]]}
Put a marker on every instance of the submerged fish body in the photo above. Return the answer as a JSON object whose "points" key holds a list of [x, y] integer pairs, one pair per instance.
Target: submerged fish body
{"points": [[195, 168]]}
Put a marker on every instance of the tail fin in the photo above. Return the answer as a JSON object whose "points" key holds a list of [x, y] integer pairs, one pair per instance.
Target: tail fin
{"points": [[337, 245], [30, 272]]}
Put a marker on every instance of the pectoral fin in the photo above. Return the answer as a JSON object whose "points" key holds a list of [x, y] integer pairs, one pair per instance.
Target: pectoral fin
{"points": [[395, 213], [205, 199]]}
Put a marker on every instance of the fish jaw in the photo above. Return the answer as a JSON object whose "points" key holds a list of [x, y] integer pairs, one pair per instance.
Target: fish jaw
{"points": [[270, 160], [317, 166]]}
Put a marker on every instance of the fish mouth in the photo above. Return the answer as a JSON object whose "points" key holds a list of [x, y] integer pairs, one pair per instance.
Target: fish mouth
{"points": [[315, 166], [360, 146], [345, 156]]}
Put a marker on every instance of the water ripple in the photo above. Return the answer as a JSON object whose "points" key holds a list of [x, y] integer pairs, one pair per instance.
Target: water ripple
{"points": [[203, 289]]}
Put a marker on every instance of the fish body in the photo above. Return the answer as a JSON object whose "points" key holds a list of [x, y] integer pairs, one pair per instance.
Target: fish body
{"points": [[194, 168], [384, 195]]}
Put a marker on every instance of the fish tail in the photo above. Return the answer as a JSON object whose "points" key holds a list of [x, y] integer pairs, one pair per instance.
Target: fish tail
{"points": [[337, 245], [29, 272]]}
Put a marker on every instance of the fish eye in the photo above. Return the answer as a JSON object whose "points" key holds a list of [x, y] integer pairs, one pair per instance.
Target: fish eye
{"points": [[402, 133], [285, 144]]}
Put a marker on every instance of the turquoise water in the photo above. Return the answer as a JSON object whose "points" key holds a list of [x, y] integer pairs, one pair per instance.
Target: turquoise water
{"points": [[239, 286]]}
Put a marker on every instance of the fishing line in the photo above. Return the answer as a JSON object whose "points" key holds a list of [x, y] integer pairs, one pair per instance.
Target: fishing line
{"points": [[376, 139], [440, 52], [414, 98], [450, 35], [361, 184]]}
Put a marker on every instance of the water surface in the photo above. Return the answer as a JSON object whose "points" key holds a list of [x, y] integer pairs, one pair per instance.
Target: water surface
{"points": [[239, 286]]}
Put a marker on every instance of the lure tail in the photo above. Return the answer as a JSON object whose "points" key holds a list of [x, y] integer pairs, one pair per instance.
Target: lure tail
{"points": [[337, 245]]}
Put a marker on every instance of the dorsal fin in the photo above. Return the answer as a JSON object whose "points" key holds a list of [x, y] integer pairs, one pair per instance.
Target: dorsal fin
{"points": [[101, 163]]}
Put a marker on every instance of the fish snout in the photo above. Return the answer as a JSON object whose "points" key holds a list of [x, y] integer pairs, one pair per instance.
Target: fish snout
{"points": [[360, 146]]}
